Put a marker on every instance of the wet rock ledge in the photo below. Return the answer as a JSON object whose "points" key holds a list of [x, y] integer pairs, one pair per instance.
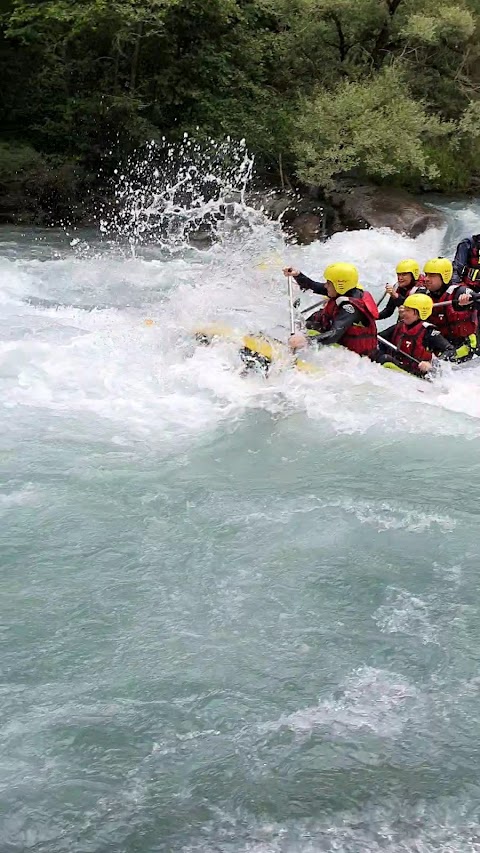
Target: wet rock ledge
{"points": [[310, 216]]}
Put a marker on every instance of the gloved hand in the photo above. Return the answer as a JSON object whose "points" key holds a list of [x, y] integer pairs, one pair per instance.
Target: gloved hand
{"points": [[449, 355], [465, 299]]}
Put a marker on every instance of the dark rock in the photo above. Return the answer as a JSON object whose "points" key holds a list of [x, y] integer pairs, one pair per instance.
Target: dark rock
{"points": [[201, 238], [306, 228], [305, 217], [276, 204], [384, 207]]}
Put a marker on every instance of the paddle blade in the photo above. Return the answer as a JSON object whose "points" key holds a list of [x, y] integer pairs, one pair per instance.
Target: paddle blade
{"points": [[273, 262]]}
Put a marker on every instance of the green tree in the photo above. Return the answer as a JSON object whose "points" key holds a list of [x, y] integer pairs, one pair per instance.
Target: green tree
{"points": [[86, 81], [373, 128]]}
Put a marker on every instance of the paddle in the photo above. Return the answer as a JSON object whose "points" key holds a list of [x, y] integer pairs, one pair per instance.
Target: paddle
{"points": [[448, 302], [275, 261], [315, 305], [290, 304], [392, 346], [382, 298]]}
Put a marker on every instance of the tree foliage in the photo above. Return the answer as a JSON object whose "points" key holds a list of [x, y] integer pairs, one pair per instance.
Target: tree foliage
{"points": [[387, 88], [373, 128]]}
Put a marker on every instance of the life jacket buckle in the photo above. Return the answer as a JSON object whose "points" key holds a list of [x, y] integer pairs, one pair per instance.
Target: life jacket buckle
{"points": [[473, 273]]}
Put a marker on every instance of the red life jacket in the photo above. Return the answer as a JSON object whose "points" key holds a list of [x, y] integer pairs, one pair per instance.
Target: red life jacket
{"points": [[412, 288], [410, 340], [360, 337], [452, 324], [471, 272]]}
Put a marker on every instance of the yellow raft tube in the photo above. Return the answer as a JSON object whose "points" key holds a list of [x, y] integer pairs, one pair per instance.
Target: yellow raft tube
{"points": [[264, 350], [258, 346]]}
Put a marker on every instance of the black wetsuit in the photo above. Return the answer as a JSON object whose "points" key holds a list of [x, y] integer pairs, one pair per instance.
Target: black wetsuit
{"points": [[463, 259], [395, 302], [433, 341], [438, 296], [347, 315]]}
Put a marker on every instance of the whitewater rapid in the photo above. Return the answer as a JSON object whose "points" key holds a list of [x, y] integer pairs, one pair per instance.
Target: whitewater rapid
{"points": [[238, 615], [75, 341]]}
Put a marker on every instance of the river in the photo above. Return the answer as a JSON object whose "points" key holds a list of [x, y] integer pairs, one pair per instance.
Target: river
{"points": [[237, 615]]}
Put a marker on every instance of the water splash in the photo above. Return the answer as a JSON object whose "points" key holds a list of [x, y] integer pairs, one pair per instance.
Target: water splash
{"points": [[176, 195]]}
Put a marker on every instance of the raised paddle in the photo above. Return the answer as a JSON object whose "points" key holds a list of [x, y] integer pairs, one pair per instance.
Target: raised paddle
{"points": [[382, 298], [290, 305], [274, 261]]}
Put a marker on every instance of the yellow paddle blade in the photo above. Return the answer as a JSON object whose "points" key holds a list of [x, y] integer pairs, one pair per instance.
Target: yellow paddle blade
{"points": [[149, 322], [215, 330], [274, 262], [307, 367]]}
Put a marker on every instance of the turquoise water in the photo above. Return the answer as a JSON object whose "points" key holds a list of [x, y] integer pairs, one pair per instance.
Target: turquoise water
{"points": [[236, 615]]}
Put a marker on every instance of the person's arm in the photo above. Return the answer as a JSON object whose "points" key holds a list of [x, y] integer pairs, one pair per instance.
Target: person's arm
{"points": [[388, 310], [461, 259], [467, 300], [306, 283], [436, 343], [388, 334], [346, 317]]}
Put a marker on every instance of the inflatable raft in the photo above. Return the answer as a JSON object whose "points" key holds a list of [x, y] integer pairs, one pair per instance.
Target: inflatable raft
{"points": [[256, 349], [259, 351]]}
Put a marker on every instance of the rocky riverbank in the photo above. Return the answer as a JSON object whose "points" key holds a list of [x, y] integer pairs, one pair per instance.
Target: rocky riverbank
{"points": [[313, 216], [43, 195]]}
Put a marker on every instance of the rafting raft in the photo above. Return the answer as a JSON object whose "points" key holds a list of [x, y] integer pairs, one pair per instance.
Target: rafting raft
{"points": [[258, 350]]}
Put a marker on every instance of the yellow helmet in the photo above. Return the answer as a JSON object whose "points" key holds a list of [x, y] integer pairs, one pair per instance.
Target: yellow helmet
{"points": [[421, 303], [440, 266], [344, 277], [409, 265]]}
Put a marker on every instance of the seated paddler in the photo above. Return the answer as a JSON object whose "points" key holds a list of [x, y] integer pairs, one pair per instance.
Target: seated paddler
{"points": [[466, 264], [454, 307], [415, 340], [409, 279], [347, 318]]}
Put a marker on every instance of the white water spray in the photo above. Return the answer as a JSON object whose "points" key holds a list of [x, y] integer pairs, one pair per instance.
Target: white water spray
{"points": [[172, 194], [74, 333]]}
